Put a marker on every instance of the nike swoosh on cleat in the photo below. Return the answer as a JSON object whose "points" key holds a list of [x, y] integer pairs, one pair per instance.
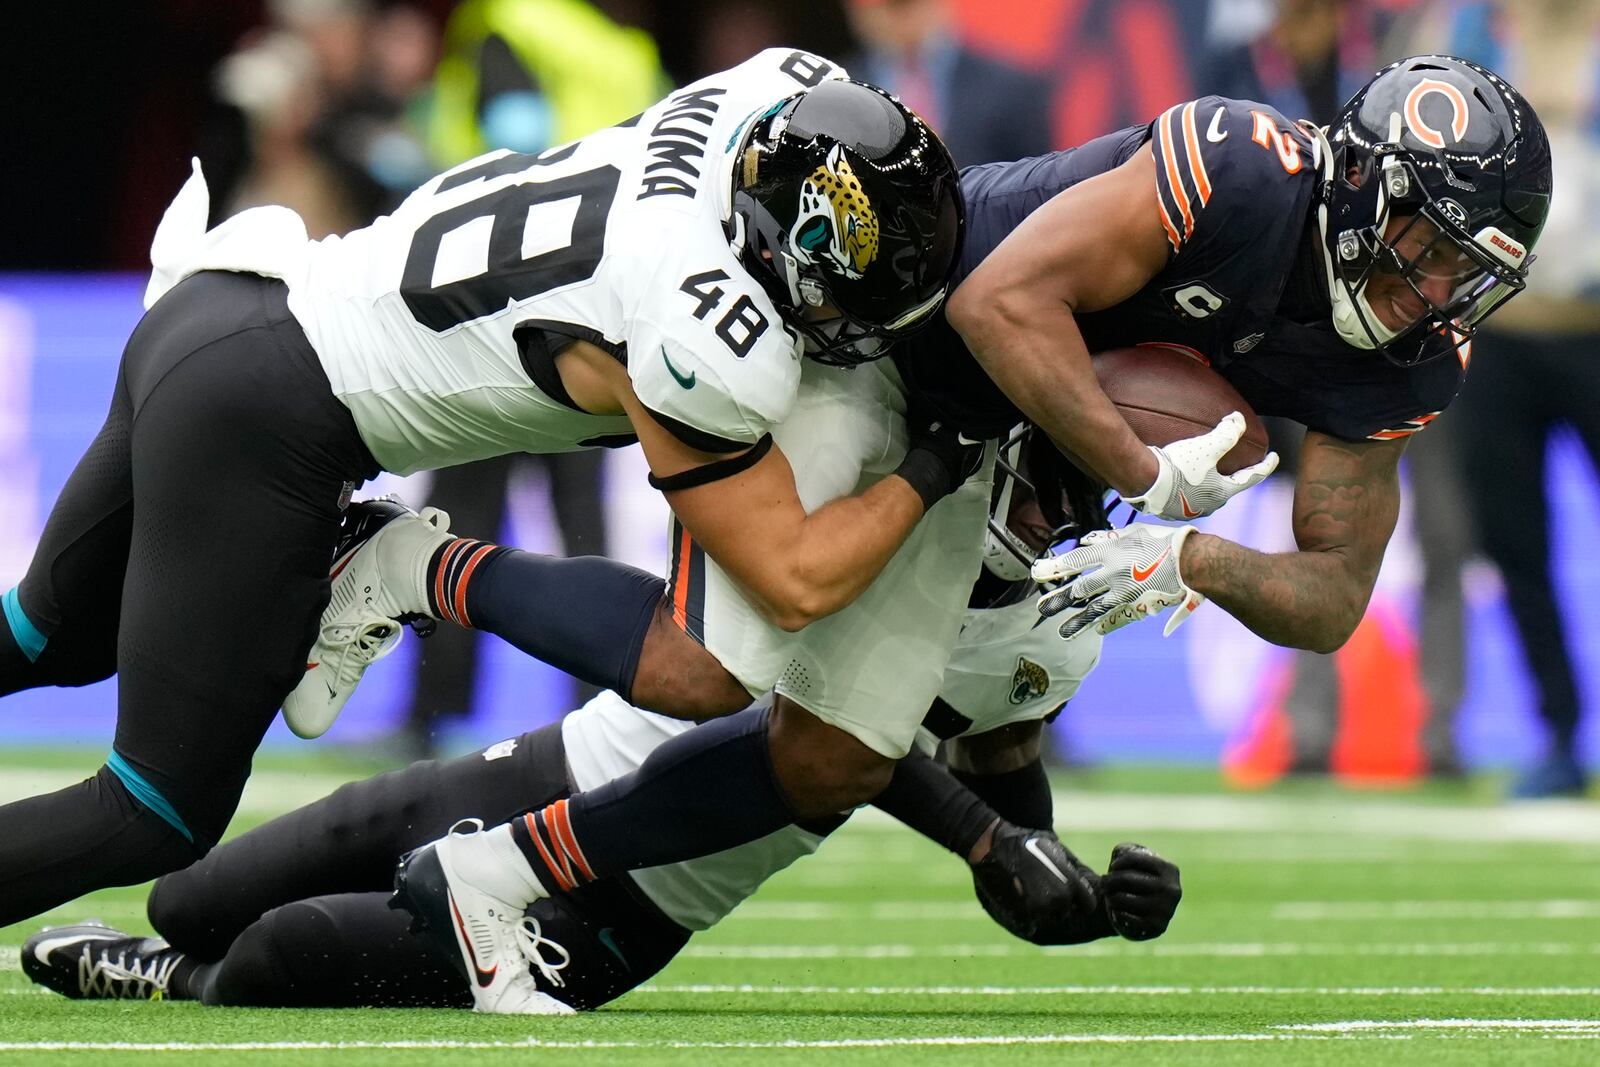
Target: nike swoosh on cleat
{"points": [[312, 666], [484, 977], [1215, 133], [1142, 573], [1032, 845], [42, 950], [685, 380]]}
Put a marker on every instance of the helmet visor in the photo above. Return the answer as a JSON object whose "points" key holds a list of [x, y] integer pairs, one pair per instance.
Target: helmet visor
{"points": [[1432, 283]]}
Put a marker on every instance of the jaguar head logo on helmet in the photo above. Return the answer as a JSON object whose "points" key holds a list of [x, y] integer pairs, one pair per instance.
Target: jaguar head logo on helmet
{"points": [[847, 209], [1436, 185]]}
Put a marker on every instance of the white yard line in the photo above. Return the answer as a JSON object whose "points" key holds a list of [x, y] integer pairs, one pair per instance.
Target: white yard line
{"points": [[583, 1046], [1302, 819], [1246, 949], [1123, 991], [1365, 910], [1516, 1026]]}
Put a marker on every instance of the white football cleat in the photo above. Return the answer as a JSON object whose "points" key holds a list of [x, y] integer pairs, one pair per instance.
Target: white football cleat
{"points": [[379, 572], [496, 945]]}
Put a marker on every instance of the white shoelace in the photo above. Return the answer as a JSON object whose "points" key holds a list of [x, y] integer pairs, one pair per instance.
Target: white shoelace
{"points": [[120, 980], [357, 646], [532, 942]]}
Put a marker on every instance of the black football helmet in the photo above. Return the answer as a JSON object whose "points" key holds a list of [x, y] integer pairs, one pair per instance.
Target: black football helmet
{"points": [[1071, 503], [844, 199], [1437, 172]]}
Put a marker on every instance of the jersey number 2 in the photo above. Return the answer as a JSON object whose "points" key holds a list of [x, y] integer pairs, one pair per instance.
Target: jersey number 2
{"points": [[508, 275]]}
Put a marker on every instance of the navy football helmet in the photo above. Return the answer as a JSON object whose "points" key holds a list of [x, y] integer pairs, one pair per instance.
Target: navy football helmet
{"points": [[1436, 183], [845, 199]]}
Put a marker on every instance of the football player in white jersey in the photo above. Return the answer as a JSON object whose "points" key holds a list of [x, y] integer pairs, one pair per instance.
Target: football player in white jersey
{"points": [[293, 913], [662, 278]]}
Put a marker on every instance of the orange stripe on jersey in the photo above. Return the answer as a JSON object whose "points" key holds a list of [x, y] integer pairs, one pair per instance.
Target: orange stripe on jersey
{"points": [[1166, 223], [1197, 165], [680, 583], [461, 585], [1173, 180], [1389, 435]]}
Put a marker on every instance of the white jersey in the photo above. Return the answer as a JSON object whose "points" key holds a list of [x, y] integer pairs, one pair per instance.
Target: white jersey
{"points": [[617, 239], [1005, 670]]}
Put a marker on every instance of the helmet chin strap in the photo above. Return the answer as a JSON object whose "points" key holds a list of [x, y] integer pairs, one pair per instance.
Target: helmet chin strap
{"points": [[1353, 318]]}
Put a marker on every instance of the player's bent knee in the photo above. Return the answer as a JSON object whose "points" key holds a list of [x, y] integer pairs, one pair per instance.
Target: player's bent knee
{"points": [[821, 768], [676, 675]]}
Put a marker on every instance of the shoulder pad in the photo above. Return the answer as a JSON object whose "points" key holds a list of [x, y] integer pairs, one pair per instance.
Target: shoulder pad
{"points": [[714, 356], [1224, 167]]}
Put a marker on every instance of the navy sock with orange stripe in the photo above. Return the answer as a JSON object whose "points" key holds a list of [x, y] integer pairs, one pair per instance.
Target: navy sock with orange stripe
{"points": [[706, 790], [528, 600]]}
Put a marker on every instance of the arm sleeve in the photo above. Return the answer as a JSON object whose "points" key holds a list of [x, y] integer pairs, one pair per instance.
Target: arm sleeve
{"points": [[1021, 797], [927, 798]]}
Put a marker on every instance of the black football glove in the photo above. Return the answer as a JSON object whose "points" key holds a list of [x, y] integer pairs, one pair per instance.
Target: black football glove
{"points": [[1139, 892], [939, 457], [1032, 885]]}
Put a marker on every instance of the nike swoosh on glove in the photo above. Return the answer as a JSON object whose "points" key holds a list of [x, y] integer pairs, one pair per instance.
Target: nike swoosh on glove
{"points": [[939, 457], [1115, 577], [1032, 884], [1140, 892], [1188, 484]]}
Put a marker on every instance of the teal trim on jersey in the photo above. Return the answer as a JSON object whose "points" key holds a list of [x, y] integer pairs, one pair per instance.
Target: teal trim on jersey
{"points": [[27, 635], [609, 940], [147, 794], [685, 380]]}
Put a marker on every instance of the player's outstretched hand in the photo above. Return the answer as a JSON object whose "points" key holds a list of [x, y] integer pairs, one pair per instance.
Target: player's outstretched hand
{"points": [[1141, 892], [1032, 884], [1188, 484], [1115, 577]]}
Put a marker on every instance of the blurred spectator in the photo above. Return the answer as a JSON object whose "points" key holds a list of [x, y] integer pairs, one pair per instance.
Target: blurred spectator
{"points": [[1535, 369], [985, 109], [320, 101], [1311, 58], [524, 75], [1121, 62]]}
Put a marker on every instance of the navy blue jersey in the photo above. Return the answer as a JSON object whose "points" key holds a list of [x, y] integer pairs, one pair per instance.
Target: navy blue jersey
{"points": [[1234, 185]]}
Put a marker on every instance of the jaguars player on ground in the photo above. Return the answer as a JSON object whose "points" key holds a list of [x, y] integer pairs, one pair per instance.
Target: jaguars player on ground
{"points": [[655, 279], [294, 913], [1333, 276]]}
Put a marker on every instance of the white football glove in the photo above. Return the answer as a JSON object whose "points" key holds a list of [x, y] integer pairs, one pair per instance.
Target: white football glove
{"points": [[1115, 577], [1188, 484]]}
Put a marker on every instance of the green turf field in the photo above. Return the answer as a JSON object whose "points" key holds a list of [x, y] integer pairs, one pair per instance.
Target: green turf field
{"points": [[1318, 926]]}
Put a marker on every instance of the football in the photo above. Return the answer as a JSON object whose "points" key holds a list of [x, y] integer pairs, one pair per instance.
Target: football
{"points": [[1167, 394]]}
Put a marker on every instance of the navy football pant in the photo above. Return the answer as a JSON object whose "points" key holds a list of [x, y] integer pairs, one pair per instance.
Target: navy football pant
{"points": [[294, 912], [188, 554]]}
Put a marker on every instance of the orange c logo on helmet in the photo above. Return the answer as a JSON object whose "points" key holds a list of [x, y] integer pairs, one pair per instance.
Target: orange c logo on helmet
{"points": [[1419, 126]]}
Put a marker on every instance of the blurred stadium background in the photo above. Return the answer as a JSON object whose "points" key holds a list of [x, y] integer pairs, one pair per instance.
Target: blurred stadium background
{"points": [[332, 105], [1429, 925]]}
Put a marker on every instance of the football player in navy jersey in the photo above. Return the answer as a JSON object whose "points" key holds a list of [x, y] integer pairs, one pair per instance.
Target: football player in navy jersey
{"points": [[1334, 276]]}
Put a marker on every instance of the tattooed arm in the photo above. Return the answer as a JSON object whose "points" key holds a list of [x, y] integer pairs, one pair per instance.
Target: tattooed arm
{"points": [[1345, 506]]}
